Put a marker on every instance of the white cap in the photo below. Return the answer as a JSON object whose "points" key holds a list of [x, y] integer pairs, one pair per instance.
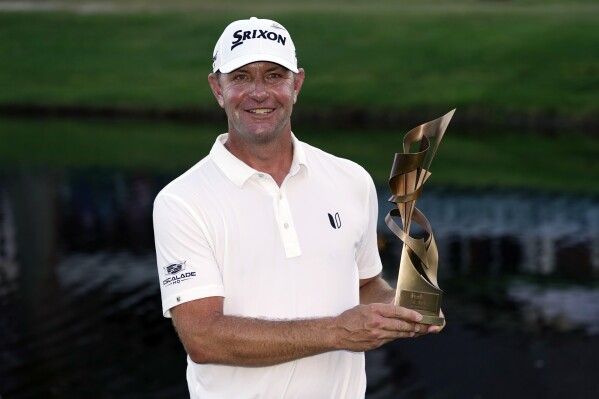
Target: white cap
{"points": [[250, 40]]}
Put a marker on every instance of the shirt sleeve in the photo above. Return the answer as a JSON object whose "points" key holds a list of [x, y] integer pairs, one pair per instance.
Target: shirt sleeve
{"points": [[367, 255], [187, 268]]}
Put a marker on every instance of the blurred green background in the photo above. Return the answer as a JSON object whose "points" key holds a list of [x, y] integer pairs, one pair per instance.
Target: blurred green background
{"points": [[523, 75], [102, 103]]}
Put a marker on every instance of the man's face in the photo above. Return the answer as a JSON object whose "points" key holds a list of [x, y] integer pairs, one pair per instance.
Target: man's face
{"points": [[258, 99]]}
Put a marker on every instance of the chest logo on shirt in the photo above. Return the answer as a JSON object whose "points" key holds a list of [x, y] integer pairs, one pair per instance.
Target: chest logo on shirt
{"points": [[335, 220], [175, 277]]}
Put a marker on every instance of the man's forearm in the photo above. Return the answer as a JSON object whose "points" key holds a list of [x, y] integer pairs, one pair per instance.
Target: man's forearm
{"points": [[257, 342], [209, 336]]}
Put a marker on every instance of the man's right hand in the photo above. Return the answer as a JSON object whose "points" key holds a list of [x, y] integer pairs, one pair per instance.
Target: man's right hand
{"points": [[367, 327]]}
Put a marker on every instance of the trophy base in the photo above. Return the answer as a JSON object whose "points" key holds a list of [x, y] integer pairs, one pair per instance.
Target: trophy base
{"points": [[434, 320], [426, 303]]}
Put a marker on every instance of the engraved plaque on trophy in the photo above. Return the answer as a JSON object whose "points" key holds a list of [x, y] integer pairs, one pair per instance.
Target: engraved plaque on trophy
{"points": [[417, 286]]}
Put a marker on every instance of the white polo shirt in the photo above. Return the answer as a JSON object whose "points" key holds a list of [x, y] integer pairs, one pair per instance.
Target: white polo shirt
{"points": [[295, 251]]}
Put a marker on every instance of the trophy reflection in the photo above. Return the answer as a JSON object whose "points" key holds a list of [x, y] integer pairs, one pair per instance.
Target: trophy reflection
{"points": [[417, 286]]}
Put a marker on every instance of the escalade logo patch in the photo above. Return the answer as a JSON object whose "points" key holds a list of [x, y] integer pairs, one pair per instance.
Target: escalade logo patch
{"points": [[176, 273], [174, 268]]}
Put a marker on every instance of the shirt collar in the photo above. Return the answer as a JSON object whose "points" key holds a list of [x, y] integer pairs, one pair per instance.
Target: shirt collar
{"points": [[239, 172]]}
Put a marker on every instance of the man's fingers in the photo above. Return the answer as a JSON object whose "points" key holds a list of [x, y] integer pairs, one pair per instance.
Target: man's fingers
{"points": [[434, 329], [398, 312], [437, 329], [398, 326], [407, 320]]}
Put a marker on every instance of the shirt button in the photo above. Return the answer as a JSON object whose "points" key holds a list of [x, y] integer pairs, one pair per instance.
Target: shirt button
{"points": [[260, 175], [286, 225]]}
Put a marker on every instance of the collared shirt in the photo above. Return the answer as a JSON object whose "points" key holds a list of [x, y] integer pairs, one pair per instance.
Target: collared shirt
{"points": [[294, 251]]}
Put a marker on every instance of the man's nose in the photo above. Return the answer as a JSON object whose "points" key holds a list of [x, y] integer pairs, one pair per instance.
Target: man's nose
{"points": [[259, 90]]}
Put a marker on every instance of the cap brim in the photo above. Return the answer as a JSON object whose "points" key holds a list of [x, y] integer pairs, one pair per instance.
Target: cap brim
{"points": [[248, 59]]}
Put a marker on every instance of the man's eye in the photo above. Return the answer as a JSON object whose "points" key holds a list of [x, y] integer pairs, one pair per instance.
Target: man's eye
{"points": [[240, 77]]}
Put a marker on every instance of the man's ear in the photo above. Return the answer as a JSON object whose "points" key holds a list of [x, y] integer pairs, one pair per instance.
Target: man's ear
{"points": [[216, 89], [297, 84]]}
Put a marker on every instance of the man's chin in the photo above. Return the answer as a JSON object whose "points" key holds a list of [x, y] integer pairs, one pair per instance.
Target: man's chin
{"points": [[262, 134], [264, 137]]}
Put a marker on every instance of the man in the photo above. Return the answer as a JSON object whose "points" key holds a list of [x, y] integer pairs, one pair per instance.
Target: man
{"points": [[266, 248]]}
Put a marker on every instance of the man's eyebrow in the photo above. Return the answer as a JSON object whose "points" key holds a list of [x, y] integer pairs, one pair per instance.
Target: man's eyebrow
{"points": [[274, 68]]}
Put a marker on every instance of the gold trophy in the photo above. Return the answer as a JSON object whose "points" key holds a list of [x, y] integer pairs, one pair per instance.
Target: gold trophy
{"points": [[417, 286]]}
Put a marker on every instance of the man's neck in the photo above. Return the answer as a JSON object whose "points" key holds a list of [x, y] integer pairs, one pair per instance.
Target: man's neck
{"points": [[273, 158]]}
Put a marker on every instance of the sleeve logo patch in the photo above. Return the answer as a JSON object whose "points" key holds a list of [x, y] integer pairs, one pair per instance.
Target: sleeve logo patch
{"points": [[175, 268], [176, 274]]}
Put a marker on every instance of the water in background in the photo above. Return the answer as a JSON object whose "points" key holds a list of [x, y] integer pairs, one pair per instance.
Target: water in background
{"points": [[81, 312]]}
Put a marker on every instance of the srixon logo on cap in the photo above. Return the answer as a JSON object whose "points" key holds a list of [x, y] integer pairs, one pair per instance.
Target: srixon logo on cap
{"points": [[243, 35]]}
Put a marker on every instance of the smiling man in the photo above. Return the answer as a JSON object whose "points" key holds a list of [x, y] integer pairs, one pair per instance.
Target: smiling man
{"points": [[266, 248]]}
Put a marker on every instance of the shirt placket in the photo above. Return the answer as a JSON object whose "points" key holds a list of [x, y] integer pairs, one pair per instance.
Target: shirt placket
{"points": [[283, 215]]}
